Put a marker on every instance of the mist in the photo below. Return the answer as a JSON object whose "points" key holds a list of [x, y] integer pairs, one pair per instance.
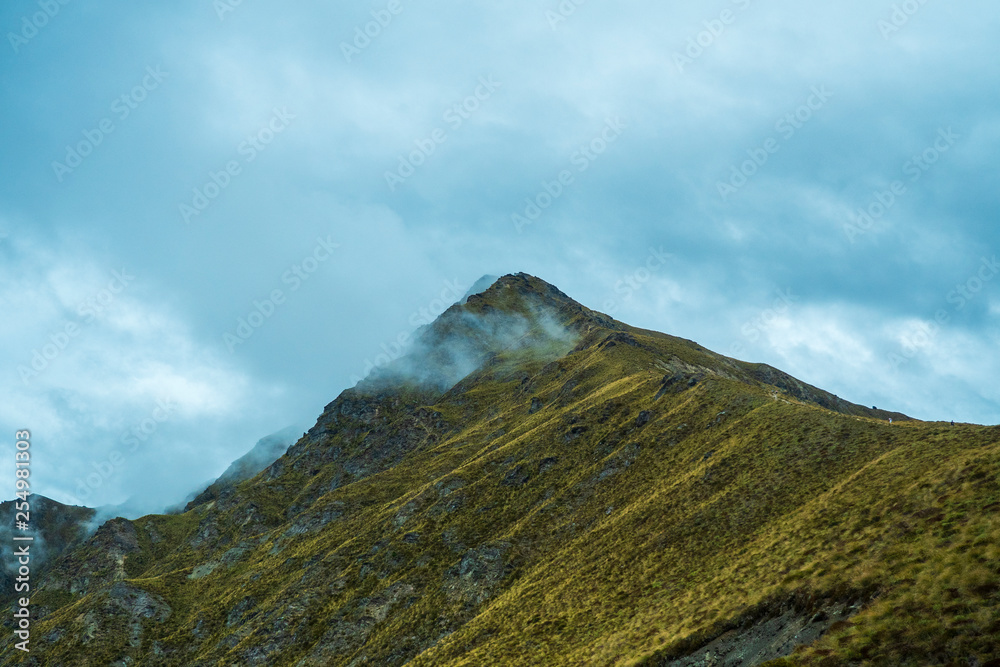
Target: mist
{"points": [[463, 339]]}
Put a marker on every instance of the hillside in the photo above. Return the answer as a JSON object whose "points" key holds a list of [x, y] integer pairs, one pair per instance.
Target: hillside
{"points": [[539, 484]]}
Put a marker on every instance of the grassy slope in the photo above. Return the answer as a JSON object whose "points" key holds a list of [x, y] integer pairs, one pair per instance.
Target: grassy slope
{"points": [[614, 539]]}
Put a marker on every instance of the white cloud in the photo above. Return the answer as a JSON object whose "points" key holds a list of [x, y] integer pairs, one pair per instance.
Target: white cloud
{"points": [[451, 220], [99, 356]]}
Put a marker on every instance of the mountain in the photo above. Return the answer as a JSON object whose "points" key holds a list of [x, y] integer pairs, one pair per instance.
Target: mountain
{"points": [[479, 287], [536, 483], [264, 453], [55, 528]]}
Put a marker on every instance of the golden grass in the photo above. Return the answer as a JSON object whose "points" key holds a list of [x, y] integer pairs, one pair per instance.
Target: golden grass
{"points": [[629, 542]]}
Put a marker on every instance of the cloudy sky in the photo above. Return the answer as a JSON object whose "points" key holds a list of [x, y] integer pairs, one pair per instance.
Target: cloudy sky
{"points": [[214, 216]]}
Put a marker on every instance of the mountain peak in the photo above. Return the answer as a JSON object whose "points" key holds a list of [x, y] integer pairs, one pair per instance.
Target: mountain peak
{"points": [[521, 317], [524, 285], [517, 315], [417, 522]]}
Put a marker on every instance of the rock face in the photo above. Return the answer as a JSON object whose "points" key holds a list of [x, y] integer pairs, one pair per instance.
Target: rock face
{"points": [[538, 484], [349, 632], [475, 578], [766, 639]]}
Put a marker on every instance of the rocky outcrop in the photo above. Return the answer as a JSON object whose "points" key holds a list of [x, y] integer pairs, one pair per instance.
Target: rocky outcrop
{"points": [[771, 631], [475, 578]]}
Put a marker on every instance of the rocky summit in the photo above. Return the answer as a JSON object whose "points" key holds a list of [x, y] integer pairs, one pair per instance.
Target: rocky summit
{"points": [[536, 483]]}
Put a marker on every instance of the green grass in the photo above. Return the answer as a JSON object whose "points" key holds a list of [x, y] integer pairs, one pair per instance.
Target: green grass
{"points": [[620, 541]]}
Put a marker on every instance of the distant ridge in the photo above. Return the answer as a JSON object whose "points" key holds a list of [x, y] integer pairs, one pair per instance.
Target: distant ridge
{"points": [[478, 287], [264, 453]]}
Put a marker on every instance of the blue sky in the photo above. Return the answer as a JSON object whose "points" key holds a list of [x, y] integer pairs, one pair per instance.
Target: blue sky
{"points": [[214, 216]]}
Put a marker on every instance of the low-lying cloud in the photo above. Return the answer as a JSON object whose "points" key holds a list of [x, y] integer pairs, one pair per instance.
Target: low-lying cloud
{"points": [[462, 340]]}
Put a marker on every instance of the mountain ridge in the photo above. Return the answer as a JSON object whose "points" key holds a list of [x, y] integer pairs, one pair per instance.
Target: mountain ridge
{"points": [[260, 456], [585, 492]]}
